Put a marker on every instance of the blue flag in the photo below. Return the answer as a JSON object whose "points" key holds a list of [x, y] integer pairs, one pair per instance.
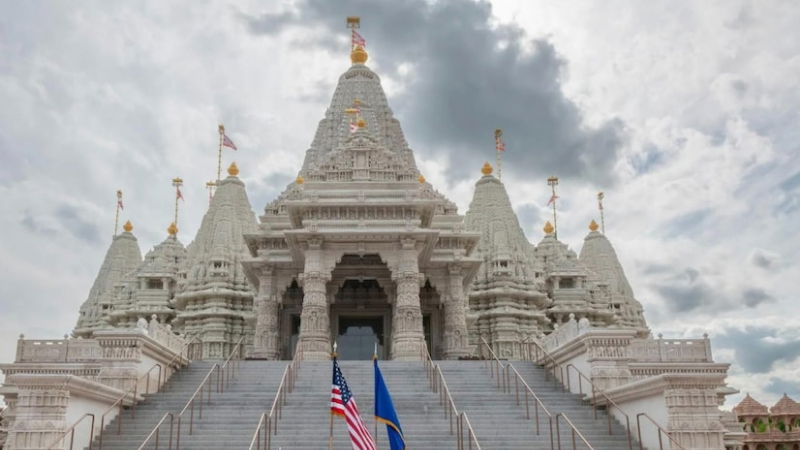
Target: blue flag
{"points": [[385, 412]]}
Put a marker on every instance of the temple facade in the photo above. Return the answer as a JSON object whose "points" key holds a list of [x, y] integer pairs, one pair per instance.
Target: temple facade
{"points": [[361, 249]]}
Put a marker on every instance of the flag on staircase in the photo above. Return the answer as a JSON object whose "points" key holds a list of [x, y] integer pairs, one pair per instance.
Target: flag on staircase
{"points": [[385, 412], [344, 404]]}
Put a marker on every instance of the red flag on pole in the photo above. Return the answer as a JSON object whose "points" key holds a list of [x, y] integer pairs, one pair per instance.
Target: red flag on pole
{"points": [[227, 142], [178, 193]]}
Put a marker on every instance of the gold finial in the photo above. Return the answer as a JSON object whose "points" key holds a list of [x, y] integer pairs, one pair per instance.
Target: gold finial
{"points": [[172, 229], [233, 169], [351, 111], [421, 179], [548, 228], [361, 123], [359, 55], [221, 129], [128, 227], [299, 180], [487, 168], [593, 226]]}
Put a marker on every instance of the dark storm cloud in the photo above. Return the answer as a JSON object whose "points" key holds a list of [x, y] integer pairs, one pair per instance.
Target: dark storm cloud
{"points": [[78, 223], [758, 348], [780, 386], [468, 78], [753, 297], [762, 259]]}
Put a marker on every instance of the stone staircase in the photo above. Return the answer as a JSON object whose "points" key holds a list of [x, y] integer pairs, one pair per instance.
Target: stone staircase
{"points": [[228, 421], [306, 418], [500, 424]]}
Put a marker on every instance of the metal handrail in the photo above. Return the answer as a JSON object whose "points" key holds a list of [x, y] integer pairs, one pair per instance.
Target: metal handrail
{"points": [[546, 354], [156, 431], [459, 419], [575, 432], [660, 431], [528, 391], [204, 385], [537, 404], [192, 340], [226, 377], [121, 402], [71, 432], [269, 420], [609, 402], [496, 366]]}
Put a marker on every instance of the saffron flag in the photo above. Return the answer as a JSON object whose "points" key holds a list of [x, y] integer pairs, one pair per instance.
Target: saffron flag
{"points": [[353, 127], [358, 39], [552, 199], [227, 142], [344, 404], [385, 412]]}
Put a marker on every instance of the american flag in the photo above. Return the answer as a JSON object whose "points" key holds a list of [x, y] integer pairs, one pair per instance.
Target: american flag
{"points": [[358, 39], [343, 404], [178, 193], [552, 199], [227, 142], [499, 145]]}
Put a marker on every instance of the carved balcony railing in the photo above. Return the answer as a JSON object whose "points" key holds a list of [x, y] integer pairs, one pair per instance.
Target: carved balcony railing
{"points": [[671, 350]]}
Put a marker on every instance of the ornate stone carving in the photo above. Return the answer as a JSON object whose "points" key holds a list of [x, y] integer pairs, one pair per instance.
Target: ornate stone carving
{"points": [[314, 319]]}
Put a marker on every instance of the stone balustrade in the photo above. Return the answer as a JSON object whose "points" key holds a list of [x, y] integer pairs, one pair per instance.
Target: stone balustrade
{"points": [[565, 332], [162, 333], [671, 350], [57, 350]]}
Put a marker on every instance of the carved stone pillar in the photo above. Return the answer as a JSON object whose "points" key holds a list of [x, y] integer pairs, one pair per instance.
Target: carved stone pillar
{"points": [[266, 307], [455, 320], [609, 357], [315, 330], [40, 417], [407, 333]]}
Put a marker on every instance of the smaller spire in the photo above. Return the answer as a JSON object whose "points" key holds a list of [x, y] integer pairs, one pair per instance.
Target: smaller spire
{"points": [[128, 227], [593, 226], [548, 228], [172, 229], [233, 169], [487, 169]]}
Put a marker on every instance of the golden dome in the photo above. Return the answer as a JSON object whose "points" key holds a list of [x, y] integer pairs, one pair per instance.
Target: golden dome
{"points": [[593, 225], [548, 228], [233, 169], [172, 229], [487, 168], [421, 179], [299, 180], [358, 55], [128, 227], [361, 123]]}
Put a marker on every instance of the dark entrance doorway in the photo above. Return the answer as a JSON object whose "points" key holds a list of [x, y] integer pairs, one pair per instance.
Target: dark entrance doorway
{"points": [[358, 335]]}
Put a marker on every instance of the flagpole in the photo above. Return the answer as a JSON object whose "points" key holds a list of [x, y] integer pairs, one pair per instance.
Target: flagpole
{"points": [[219, 155], [330, 434], [553, 182], [375, 397], [498, 134], [210, 185], [600, 197], [177, 182], [116, 217]]}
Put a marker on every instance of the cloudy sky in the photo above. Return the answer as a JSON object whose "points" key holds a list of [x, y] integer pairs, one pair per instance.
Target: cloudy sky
{"points": [[687, 115]]}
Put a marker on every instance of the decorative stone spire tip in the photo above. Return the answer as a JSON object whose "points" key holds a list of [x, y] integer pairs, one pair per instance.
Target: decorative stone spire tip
{"points": [[172, 229], [593, 226], [487, 169], [548, 228], [421, 179], [128, 227], [233, 169], [358, 55], [299, 180]]}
